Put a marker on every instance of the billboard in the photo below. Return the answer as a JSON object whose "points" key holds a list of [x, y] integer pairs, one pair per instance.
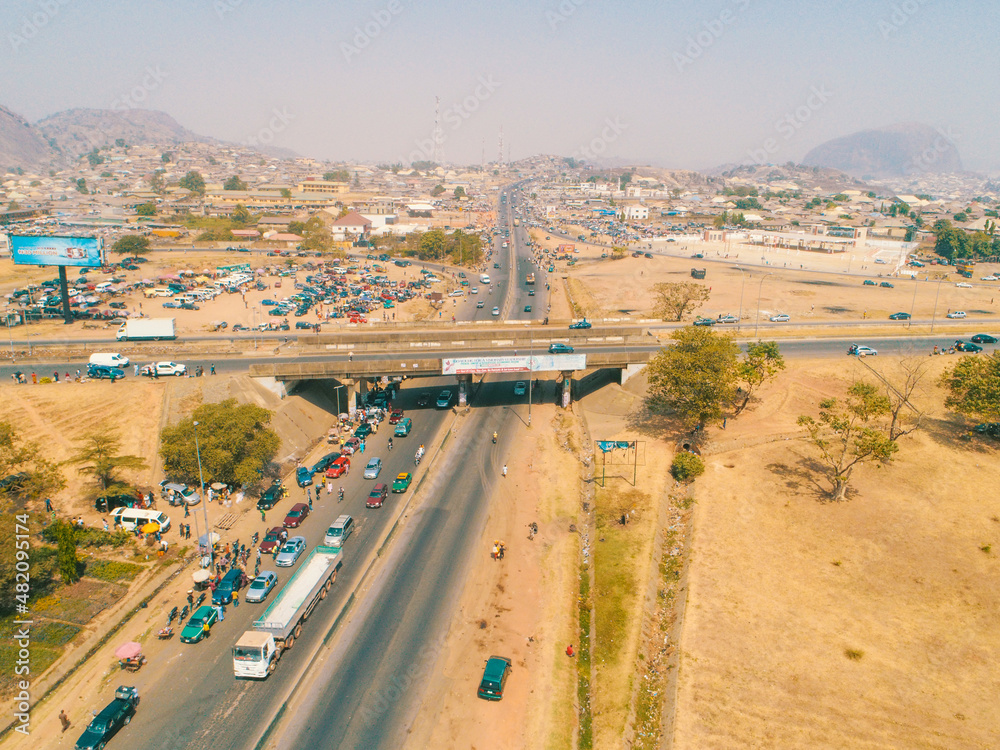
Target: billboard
{"points": [[535, 363], [56, 251]]}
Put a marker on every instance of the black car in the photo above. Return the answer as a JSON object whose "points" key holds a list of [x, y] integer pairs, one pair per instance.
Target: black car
{"points": [[965, 346], [887, 285], [324, 463], [301, 325], [704, 322], [984, 338], [112, 717], [272, 495]]}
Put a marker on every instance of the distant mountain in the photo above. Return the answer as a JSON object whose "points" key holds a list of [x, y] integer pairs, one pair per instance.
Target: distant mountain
{"points": [[77, 131], [893, 151], [22, 144], [821, 178]]}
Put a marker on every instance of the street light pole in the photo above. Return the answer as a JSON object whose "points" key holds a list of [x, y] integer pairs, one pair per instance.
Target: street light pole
{"points": [[913, 302], [739, 320], [531, 373], [938, 294], [760, 289], [204, 498]]}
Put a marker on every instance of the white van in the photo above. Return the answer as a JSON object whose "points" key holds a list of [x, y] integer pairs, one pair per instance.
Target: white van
{"points": [[109, 359], [338, 532], [484, 278], [130, 518]]}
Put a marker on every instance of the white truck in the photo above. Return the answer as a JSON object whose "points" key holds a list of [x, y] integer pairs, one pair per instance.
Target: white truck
{"points": [[147, 329], [257, 651]]}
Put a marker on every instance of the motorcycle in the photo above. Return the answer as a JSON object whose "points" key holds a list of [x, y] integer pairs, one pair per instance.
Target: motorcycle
{"points": [[494, 438]]}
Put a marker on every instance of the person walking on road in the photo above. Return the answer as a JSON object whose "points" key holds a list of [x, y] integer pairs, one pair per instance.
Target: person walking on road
{"points": [[64, 720], [504, 472]]}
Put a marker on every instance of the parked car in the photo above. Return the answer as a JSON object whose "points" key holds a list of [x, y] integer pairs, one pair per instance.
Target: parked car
{"points": [[296, 516], [868, 282], [727, 319], [964, 285], [364, 430], [104, 372], [290, 552], [351, 446], [899, 316], [782, 318], [195, 630], [339, 467], [886, 285], [956, 314], [495, 675], [965, 346], [377, 496], [558, 348], [261, 586], [303, 476], [700, 321], [402, 481], [320, 466], [984, 338], [170, 368], [271, 496], [581, 325], [373, 468], [112, 717], [861, 351], [273, 540]]}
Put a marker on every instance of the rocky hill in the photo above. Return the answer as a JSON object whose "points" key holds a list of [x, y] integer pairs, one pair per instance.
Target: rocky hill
{"points": [[22, 144], [77, 131], [894, 151]]}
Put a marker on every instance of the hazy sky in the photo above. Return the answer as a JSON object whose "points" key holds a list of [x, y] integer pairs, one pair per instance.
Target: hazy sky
{"points": [[678, 84]]}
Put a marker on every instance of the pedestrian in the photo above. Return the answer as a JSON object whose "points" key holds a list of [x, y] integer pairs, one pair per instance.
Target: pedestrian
{"points": [[258, 556], [236, 598], [222, 612], [34, 378], [135, 370], [311, 498], [105, 521], [212, 371], [350, 356], [48, 505], [505, 469], [262, 518], [723, 423], [187, 511], [362, 446], [78, 375], [205, 629], [64, 720], [570, 651]]}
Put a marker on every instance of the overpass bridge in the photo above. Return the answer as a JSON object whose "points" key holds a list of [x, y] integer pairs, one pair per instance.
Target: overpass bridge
{"points": [[358, 359]]}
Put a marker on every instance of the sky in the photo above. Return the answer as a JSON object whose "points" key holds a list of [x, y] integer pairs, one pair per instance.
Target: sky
{"points": [[688, 85]]}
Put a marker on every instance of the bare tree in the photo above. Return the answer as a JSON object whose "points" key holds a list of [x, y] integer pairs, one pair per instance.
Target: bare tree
{"points": [[675, 299]]}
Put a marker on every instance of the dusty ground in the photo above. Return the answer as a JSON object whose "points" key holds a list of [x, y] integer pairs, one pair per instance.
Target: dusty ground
{"points": [[613, 288], [520, 607], [863, 624]]}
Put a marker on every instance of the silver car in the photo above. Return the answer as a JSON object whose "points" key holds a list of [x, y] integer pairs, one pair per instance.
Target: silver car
{"points": [[373, 469], [261, 586], [290, 552]]}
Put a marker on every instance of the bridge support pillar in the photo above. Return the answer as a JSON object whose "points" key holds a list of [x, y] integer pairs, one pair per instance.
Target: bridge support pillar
{"points": [[464, 384], [566, 380], [628, 372]]}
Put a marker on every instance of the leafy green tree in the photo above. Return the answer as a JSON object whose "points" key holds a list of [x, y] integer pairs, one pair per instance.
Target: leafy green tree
{"points": [[242, 216], [166, 157], [194, 182], [762, 362], [156, 183], [235, 441], [131, 244], [687, 467], [695, 377], [438, 190], [849, 433], [120, 143], [674, 299], [94, 158], [286, 193], [460, 192], [69, 563], [81, 186], [337, 175], [974, 386], [234, 183], [746, 204], [17, 456], [146, 209], [13, 206], [98, 457]]}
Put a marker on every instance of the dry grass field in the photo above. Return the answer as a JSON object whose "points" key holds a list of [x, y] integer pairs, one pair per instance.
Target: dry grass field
{"points": [[864, 624]]}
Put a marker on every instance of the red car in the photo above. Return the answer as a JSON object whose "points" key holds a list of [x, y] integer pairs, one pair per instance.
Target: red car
{"points": [[377, 496], [397, 414], [352, 445], [296, 516], [339, 467], [273, 540]]}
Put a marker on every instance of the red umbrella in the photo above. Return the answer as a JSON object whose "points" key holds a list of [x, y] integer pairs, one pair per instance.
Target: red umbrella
{"points": [[128, 650]]}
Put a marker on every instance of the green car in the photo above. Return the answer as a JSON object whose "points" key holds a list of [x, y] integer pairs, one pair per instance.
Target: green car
{"points": [[402, 482], [494, 678], [403, 427], [194, 631]]}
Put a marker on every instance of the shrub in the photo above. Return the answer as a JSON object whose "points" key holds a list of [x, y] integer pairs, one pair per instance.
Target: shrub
{"points": [[686, 467], [112, 570]]}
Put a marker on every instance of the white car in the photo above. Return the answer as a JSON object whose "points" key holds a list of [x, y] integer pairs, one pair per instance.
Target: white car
{"points": [[964, 285], [991, 278], [373, 469], [782, 318], [261, 586], [290, 552], [170, 368], [496, 312], [474, 290], [455, 293], [956, 314]]}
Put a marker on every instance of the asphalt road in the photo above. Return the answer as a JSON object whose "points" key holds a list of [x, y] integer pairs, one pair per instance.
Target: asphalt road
{"points": [[193, 700]]}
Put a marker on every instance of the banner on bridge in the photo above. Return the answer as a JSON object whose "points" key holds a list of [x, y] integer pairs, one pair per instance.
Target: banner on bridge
{"points": [[534, 363]]}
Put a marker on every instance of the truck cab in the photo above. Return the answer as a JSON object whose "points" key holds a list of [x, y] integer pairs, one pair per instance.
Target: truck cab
{"points": [[255, 654]]}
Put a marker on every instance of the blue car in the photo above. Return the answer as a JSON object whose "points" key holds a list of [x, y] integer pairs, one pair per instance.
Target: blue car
{"points": [[304, 477]]}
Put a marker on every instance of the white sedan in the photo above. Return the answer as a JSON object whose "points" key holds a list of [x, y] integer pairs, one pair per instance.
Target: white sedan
{"points": [[170, 368], [782, 318], [991, 278], [956, 314], [964, 285]]}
